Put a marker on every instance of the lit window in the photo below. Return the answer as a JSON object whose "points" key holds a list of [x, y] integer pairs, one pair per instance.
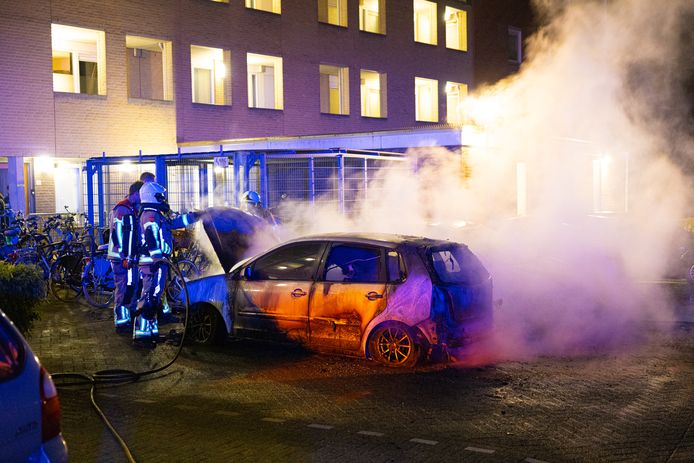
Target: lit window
{"points": [[150, 73], [334, 89], [333, 12], [372, 16], [211, 74], [456, 28], [273, 6], [426, 99], [373, 94], [425, 22], [79, 60], [455, 93], [221, 1], [515, 45], [264, 81]]}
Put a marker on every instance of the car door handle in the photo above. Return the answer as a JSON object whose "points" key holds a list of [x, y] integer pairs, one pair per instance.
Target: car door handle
{"points": [[373, 295], [298, 293]]}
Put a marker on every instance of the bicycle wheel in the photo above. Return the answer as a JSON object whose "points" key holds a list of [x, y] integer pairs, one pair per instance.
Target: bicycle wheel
{"points": [[98, 284], [65, 277], [174, 289]]}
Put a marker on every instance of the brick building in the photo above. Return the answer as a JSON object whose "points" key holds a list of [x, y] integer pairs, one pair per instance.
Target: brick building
{"points": [[79, 78]]}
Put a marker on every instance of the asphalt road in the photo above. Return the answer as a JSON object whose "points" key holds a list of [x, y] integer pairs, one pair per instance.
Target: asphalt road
{"points": [[251, 401]]}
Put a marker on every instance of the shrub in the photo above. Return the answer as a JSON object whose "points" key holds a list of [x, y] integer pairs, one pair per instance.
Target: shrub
{"points": [[22, 289]]}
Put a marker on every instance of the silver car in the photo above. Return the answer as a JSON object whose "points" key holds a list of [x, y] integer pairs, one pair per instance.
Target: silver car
{"points": [[29, 404], [391, 298]]}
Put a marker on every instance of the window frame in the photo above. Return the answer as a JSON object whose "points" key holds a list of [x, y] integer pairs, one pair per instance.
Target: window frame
{"points": [[278, 81], [382, 256], [462, 30], [251, 5], [226, 85], [434, 25], [434, 104], [342, 13], [382, 18], [250, 268], [343, 88], [69, 39], [382, 91], [167, 68]]}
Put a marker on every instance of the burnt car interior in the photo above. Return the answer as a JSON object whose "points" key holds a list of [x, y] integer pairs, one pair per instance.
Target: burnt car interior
{"points": [[354, 264], [294, 262]]}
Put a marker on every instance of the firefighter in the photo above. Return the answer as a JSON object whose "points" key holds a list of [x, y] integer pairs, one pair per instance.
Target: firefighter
{"points": [[251, 203], [124, 238], [156, 244]]}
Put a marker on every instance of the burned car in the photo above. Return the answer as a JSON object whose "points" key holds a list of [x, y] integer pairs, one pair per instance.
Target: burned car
{"points": [[391, 298]]}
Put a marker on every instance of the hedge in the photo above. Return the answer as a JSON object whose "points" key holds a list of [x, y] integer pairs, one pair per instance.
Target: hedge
{"points": [[22, 289]]}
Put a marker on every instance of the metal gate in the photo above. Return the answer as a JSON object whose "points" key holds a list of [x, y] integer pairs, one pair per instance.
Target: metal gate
{"points": [[338, 177]]}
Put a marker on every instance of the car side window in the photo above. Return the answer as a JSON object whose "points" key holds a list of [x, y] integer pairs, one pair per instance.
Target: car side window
{"points": [[350, 263], [11, 351], [292, 262], [396, 267]]}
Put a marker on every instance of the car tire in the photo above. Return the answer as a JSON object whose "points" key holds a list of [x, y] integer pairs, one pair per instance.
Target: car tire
{"points": [[205, 325], [393, 344]]}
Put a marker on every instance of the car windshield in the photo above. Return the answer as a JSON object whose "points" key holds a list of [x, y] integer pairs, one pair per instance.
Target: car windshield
{"points": [[456, 264], [11, 351]]}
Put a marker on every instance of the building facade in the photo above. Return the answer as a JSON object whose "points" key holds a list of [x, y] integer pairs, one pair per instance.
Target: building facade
{"points": [[82, 78]]}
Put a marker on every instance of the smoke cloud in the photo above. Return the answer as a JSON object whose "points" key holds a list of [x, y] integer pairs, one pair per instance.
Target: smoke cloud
{"points": [[572, 189]]}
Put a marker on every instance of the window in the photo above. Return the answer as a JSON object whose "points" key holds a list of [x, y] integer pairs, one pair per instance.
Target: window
{"points": [[373, 94], [455, 94], [79, 60], [333, 12], [334, 89], [515, 45], [372, 16], [426, 99], [396, 267], [456, 28], [150, 72], [356, 264], [264, 82], [211, 75], [458, 265], [273, 6], [425, 29], [292, 262]]}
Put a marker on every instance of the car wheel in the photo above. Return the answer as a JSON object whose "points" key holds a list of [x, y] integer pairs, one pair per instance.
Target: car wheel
{"points": [[205, 325], [393, 345]]}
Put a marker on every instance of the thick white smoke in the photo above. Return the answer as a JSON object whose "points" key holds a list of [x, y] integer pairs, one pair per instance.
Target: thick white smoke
{"points": [[591, 123]]}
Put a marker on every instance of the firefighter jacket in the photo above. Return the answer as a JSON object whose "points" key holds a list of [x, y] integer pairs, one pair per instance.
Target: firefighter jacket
{"points": [[156, 237], [124, 236]]}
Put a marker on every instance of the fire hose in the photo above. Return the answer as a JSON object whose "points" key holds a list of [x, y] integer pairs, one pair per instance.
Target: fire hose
{"points": [[122, 376]]}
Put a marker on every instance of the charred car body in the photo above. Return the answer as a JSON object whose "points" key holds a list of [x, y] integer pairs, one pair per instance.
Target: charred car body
{"points": [[387, 297]]}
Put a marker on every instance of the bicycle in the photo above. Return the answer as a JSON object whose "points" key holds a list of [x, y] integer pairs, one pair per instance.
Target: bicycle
{"points": [[98, 283]]}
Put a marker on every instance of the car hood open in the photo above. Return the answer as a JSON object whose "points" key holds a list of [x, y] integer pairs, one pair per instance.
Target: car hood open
{"points": [[231, 232]]}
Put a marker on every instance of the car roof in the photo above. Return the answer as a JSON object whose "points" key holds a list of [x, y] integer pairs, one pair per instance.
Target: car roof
{"points": [[389, 240]]}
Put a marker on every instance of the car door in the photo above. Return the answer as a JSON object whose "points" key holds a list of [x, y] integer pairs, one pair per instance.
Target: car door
{"points": [[272, 296], [349, 292]]}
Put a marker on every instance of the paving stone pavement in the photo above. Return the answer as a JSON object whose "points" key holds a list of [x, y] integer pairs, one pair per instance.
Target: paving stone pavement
{"points": [[250, 401]]}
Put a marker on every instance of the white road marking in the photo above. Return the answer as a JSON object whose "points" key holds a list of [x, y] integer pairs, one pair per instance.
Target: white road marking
{"points": [[320, 426], [532, 460], [479, 450], [424, 441], [274, 420], [370, 433]]}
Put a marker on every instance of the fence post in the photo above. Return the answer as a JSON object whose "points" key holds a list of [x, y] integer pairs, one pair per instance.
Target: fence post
{"points": [[160, 171], [340, 183], [263, 181], [237, 168], [90, 191], [204, 192], [100, 193], [312, 180]]}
